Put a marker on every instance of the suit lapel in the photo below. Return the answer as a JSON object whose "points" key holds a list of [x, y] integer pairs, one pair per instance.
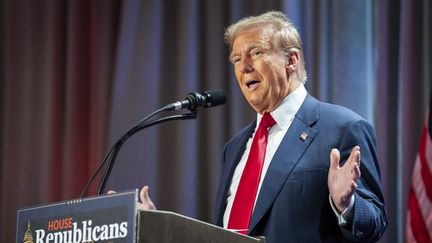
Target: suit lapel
{"points": [[232, 157], [291, 149]]}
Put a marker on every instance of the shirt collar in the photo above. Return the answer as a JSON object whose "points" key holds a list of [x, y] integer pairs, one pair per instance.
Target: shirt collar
{"points": [[286, 111]]}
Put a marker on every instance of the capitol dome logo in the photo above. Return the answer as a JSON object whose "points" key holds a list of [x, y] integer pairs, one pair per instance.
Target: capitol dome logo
{"points": [[28, 237]]}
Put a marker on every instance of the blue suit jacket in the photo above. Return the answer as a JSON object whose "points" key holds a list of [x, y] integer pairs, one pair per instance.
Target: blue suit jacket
{"points": [[293, 203]]}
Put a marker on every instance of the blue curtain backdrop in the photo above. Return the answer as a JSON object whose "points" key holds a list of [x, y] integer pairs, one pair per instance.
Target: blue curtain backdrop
{"points": [[76, 75]]}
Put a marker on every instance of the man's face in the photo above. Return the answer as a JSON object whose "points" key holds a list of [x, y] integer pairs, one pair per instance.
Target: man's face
{"points": [[261, 71]]}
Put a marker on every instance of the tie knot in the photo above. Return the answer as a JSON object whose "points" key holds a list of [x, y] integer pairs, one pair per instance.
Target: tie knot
{"points": [[267, 121]]}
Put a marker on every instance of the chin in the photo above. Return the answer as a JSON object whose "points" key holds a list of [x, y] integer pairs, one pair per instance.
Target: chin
{"points": [[258, 108]]}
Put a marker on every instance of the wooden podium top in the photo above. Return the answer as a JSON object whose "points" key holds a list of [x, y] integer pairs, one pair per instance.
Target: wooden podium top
{"points": [[168, 227]]}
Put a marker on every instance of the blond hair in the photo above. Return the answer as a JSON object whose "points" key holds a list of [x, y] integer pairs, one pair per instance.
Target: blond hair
{"points": [[283, 33]]}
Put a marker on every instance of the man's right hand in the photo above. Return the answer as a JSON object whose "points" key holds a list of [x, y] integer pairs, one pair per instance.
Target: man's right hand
{"points": [[146, 203]]}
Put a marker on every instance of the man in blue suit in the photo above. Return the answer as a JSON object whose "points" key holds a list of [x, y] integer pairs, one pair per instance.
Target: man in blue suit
{"points": [[303, 180]]}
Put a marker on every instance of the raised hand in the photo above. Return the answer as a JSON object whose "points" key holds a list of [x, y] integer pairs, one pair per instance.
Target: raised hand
{"points": [[146, 203], [342, 180]]}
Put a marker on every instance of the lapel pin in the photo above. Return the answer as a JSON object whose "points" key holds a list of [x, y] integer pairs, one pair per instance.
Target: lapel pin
{"points": [[303, 136]]}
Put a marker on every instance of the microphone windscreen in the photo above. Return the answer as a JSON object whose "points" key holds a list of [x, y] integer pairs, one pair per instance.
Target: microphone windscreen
{"points": [[216, 97]]}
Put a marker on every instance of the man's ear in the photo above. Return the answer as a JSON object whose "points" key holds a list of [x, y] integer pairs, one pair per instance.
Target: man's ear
{"points": [[292, 62]]}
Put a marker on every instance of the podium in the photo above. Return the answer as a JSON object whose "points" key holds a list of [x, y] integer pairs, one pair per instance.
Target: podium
{"points": [[166, 227], [114, 218]]}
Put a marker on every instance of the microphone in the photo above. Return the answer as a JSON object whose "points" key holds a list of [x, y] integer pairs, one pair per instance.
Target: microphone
{"points": [[195, 100]]}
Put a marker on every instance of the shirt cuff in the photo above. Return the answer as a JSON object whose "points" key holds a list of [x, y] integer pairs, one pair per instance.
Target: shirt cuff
{"points": [[346, 215]]}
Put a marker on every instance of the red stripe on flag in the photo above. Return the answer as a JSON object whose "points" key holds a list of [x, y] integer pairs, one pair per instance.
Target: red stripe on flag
{"points": [[418, 225], [425, 171]]}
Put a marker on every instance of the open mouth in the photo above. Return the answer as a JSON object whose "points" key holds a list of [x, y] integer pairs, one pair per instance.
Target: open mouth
{"points": [[252, 84]]}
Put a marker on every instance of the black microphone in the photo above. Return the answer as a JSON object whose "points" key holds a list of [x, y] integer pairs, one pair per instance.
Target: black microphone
{"points": [[195, 100]]}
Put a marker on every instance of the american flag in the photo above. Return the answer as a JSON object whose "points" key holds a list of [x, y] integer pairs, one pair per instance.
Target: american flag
{"points": [[419, 216]]}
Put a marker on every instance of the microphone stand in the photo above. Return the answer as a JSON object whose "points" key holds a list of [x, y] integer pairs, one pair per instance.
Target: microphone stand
{"points": [[112, 153]]}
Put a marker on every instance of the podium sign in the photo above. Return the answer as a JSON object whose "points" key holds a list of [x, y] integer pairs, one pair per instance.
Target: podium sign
{"points": [[107, 218]]}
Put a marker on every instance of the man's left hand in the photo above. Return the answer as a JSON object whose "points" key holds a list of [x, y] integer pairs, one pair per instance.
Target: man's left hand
{"points": [[342, 180]]}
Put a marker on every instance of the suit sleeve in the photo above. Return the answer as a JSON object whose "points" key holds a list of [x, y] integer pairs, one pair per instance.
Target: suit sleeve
{"points": [[369, 218]]}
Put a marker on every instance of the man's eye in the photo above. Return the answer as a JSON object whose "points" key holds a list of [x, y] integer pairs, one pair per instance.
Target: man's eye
{"points": [[256, 53], [235, 60]]}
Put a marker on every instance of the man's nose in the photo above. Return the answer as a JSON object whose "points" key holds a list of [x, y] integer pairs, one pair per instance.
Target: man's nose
{"points": [[246, 66]]}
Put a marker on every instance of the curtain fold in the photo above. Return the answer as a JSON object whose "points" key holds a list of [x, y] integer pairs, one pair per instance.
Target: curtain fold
{"points": [[76, 75], [56, 82], [403, 85]]}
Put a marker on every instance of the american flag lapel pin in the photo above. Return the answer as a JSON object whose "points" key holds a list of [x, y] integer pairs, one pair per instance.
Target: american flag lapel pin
{"points": [[303, 136]]}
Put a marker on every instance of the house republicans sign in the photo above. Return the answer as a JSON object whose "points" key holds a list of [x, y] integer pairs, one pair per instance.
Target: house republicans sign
{"points": [[108, 218]]}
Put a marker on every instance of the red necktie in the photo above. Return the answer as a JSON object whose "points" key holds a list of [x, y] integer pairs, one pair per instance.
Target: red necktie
{"points": [[244, 200]]}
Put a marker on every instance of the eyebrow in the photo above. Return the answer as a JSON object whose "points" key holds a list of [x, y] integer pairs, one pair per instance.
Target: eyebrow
{"points": [[247, 48]]}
